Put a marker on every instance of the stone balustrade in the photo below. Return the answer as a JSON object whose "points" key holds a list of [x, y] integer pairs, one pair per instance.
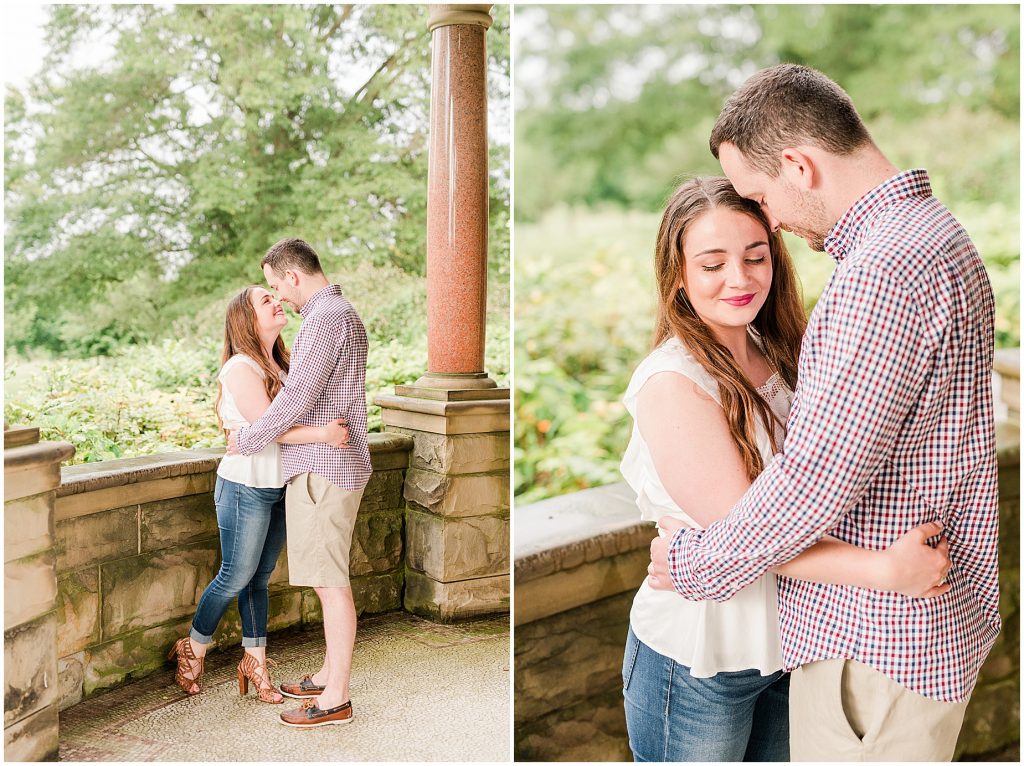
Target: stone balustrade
{"points": [[136, 543], [579, 559]]}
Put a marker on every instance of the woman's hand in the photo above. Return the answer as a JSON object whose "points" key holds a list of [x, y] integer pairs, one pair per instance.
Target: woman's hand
{"points": [[914, 568], [336, 433]]}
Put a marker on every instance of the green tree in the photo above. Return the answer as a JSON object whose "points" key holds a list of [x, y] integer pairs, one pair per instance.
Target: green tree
{"points": [[629, 93], [138, 188]]}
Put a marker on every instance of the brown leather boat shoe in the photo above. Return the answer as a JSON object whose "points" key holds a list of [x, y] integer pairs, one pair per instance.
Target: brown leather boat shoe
{"points": [[310, 716], [301, 690]]}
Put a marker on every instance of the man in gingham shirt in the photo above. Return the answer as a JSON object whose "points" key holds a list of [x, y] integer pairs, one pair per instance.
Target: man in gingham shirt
{"points": [[891, 427], [326, 381]]}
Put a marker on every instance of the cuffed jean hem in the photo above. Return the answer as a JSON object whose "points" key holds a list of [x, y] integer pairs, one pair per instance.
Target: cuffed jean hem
{"points": [[250, 642], [199, 638]]}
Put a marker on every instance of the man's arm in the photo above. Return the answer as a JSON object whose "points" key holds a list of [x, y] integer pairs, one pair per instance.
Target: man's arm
{"points": [[873, 355], [314, 359]]}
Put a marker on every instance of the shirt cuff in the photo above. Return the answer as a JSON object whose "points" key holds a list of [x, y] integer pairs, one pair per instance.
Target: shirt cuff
{"points": [[243, 441], [679, 568]]}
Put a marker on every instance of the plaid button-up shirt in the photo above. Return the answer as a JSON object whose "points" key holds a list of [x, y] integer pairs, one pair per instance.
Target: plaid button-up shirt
{"points": [[891, 427], [327, 380]]}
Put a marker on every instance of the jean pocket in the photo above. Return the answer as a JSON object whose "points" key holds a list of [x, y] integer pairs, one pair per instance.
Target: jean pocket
{"points": [[629, 658], [218, 491]]}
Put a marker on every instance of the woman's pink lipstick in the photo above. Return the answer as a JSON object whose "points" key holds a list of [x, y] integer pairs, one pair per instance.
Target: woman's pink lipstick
{"points": [[740, 300]]}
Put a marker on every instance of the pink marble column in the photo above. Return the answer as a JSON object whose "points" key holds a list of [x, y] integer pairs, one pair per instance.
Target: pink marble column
{"points": [[457, 200]]}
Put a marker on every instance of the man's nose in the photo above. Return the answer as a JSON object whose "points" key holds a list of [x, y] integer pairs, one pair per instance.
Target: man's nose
{"points": [[773, 223]]}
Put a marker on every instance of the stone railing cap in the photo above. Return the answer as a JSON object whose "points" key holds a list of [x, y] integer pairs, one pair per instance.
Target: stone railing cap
{"points": [[1007, 362], [89, 477], [564, 532], [16, 458]]}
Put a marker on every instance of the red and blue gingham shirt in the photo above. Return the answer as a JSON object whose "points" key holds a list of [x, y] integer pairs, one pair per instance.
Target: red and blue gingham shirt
{"points": [[326, 380], [891, 427]]}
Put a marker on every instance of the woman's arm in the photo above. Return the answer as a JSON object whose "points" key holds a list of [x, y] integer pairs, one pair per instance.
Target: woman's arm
{"points": [[701, 468], [909, 566], [247, 388]]}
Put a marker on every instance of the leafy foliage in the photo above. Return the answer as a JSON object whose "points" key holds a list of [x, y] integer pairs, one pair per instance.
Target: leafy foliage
{"points": [[139, 189], [614, 102]]}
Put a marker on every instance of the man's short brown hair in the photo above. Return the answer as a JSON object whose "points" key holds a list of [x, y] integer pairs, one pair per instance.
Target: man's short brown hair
{"points": [[788, 105], [293, 254]]}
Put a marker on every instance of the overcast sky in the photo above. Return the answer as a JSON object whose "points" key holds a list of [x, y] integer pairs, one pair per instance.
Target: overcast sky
{"points": [[21, 38]]}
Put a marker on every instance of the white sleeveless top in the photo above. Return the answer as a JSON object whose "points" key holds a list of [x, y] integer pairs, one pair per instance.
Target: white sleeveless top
{"points": [[262, 469], [708, 637]]}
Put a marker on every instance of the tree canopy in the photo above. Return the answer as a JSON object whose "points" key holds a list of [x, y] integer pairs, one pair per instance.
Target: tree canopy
{"points": [[139, 188], [613, 101]]}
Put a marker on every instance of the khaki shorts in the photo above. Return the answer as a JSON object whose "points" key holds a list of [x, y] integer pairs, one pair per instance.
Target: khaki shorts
{"points": [[320, 518], [842, 710]]}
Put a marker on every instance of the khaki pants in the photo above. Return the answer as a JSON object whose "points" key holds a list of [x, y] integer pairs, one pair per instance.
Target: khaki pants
{"points": [[842, 710]]}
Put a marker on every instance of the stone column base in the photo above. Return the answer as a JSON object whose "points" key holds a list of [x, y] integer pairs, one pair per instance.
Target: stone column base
{"points": [[452, 601], [457, 499]]}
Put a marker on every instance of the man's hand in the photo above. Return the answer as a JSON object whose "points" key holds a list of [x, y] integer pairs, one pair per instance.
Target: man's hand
{"points": [[657, 572], [336, 433], [232, 443], [913, 567]]}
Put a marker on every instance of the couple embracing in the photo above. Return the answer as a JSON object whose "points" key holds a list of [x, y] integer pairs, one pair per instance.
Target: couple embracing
{"points": [[799, 469], [295, 420]]}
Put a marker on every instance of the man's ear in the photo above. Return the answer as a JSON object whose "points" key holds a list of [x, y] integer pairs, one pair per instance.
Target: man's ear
{"points": [[799, 167], [291, 277]]}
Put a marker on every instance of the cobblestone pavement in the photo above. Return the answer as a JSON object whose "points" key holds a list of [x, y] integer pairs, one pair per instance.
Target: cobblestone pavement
{"points": [[420, 692]]}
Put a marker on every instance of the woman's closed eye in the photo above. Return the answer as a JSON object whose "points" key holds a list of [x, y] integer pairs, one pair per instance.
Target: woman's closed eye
{"points": [[718, 266]]}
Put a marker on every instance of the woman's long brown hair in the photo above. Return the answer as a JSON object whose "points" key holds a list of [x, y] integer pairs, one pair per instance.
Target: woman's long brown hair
{"points": [[779, 324], [241, 337]]}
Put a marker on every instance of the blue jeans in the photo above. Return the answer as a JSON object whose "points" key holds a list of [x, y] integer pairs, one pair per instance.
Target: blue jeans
{"points": [[672, 716], [252, 533]]}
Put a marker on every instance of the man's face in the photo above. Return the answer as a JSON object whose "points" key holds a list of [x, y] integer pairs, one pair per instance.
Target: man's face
{"points": [[286, 292], [788, 207]]}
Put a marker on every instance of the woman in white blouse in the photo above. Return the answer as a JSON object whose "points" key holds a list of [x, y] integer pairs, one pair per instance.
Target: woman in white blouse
{"points": [[703, 681], [249, 493]]}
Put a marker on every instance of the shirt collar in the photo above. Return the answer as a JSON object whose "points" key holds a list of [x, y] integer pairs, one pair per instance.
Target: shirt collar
{"points": [[851, 227], [318, 296]]}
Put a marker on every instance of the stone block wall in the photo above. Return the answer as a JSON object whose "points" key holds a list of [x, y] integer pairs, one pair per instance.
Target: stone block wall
{"points": [[136, 543], [579, 559]]}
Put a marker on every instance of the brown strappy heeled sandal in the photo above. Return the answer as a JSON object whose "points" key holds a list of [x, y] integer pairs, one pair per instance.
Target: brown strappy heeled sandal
{"points": [[187, 676], [250, 670]]}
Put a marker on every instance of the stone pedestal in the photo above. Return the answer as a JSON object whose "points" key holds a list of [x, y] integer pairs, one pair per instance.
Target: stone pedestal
{"points": [[457, 503], [31, 689]]}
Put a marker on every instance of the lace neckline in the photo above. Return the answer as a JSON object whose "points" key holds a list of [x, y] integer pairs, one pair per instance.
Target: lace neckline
{"points": [[771, 387]]}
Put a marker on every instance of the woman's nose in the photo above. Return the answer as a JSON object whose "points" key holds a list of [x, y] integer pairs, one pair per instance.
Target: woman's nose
{"points": [[738, 275]]}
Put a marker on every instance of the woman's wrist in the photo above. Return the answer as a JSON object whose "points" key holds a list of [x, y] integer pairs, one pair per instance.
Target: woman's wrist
{"points": [[881, 573]]}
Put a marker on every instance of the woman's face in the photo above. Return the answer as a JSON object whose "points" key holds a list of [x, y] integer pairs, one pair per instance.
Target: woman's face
{"points": [[727, 267], [270, 317]]}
